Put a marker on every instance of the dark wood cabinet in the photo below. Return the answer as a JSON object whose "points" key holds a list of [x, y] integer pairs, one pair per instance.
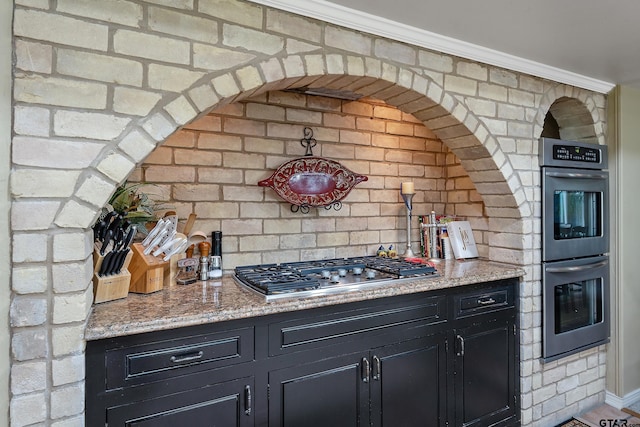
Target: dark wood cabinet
{"points": [[319, 394], [201, 378], [485, 357], [409, 383], [389, 377], [440, 358], [399, 385], [226, 404], [485, 380]]}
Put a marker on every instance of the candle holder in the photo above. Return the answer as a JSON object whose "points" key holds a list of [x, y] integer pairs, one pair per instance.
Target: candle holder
{"points": [[407, 202]]}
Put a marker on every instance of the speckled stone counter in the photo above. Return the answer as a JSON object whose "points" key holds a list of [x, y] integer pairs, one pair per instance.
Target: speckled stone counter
{"points": [[224, 299]]}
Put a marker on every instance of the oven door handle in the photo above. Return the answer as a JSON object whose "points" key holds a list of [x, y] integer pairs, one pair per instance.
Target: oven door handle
{"points": [[577, 267], [591, 175]]}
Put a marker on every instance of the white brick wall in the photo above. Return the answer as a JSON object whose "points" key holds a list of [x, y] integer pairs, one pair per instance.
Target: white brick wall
{"points": [[60, 92], [94, 94], [40, 25]]}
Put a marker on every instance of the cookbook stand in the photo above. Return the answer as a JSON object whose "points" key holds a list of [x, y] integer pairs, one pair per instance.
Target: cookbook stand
{"points": [[147, 271], [115, 286]]}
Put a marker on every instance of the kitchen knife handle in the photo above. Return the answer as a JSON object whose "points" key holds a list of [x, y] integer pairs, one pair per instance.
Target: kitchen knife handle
{"points": [[366, 371], [127, 240], [115, 224], [113, 263], [98, 228], [107, 222], [107, 239], [376, 368], [152, 234], [119, 262], [155, 242], [105, 264], [163, 248], [118, 238], [176, 250]]}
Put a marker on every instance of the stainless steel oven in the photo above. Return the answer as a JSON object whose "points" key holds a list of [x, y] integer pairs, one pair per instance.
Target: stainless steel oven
{"points": [[575, 246], [575, 194], [575, 306]]}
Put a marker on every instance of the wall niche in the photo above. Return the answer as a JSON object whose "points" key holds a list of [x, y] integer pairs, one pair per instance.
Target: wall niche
{"points": [[211, 167]]}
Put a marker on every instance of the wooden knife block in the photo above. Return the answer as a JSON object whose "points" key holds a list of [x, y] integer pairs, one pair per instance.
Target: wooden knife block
{"points": [[147, 271], [108, 288]]}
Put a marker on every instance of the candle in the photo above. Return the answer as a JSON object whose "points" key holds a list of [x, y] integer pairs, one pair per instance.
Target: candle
{"points": [[407, 188]]}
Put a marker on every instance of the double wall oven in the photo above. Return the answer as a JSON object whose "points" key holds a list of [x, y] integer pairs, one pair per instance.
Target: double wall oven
{"points": [[575, 246]]}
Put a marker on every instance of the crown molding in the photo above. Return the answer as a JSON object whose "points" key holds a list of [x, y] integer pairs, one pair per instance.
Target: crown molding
{"points": [[376, 25]]}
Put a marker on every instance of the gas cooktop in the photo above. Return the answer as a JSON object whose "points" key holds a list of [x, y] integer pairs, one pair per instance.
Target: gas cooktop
{"points": [[323, 277]]}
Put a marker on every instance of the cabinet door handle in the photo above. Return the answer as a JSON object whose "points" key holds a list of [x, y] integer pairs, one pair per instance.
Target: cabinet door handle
{"points": [[247, 400], [461, 345], [187, 357], [376, 368], [486, 301], [365, 370]]}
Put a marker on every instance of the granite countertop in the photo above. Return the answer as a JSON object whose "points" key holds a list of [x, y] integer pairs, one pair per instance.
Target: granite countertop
{"points": [[223, 299]]}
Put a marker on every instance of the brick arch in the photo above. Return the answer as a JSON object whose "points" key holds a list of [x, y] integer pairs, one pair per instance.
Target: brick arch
{"points": [[576, 112], [451, 120]]}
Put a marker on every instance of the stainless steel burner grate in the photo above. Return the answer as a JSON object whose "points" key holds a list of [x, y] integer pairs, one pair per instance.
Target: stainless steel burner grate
{"points": [[307, 278]]}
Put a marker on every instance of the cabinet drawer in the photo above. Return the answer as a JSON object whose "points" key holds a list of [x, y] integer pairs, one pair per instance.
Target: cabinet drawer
{"points": [[483, 301], [163, 359], [222, 404], [313, 331]]}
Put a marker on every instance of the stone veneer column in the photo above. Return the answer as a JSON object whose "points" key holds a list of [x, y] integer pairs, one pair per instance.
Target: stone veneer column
{"points": [[6, 59], [94, 95]]}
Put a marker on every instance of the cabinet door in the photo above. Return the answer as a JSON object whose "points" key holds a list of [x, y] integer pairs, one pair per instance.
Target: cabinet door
{"points": [[227, 404], [485, 374], [408, 384], [333, 392]]}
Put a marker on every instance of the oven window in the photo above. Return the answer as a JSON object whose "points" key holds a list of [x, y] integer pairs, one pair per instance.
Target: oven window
{"points": [[577, 305], [577, 214]]}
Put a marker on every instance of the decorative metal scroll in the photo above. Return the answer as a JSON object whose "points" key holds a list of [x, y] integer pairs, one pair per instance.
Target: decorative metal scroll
{"points": [[308, 141], [312, 181]]}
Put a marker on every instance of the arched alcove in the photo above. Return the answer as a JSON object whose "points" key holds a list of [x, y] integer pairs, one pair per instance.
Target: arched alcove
{"points": [[450, 120], [212, 165], [447, 119], [571, 117]]}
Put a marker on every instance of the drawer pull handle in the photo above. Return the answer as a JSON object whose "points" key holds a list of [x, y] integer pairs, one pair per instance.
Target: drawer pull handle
{"points": [[486, 301], [460, 346], [365, 370], [188, 357], [376, 368], [247, 400]]}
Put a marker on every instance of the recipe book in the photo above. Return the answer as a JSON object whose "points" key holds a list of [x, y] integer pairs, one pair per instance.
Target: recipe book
{"points": [[461, 239]]}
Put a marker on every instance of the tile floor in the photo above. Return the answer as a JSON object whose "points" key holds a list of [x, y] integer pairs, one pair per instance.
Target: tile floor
{"points": [[606, 416]]}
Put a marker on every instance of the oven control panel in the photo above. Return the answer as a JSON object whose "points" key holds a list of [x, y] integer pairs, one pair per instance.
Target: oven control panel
{"points": [[572, 154], [575, 153]]}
